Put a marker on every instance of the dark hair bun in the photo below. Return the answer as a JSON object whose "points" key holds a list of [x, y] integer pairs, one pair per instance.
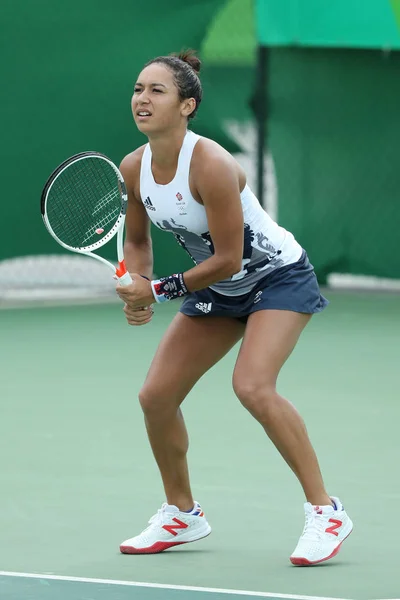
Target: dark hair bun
{"points": [[189, 56]]}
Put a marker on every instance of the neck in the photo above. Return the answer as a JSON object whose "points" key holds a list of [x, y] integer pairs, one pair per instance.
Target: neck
{"points": [[165, 148]]}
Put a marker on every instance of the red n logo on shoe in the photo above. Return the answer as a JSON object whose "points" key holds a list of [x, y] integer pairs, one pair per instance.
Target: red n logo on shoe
{"points": [[336, 525], [179, 525]]}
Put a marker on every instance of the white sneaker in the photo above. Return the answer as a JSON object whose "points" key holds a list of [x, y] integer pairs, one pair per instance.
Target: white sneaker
{"points": [[325, 530], [169, 527]]}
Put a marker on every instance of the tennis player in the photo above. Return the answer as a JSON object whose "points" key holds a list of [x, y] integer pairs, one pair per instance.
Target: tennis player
{"points": [[251, 281]]}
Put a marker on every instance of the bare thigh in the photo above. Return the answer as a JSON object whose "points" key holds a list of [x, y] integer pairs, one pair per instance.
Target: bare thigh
{"points": [[189, 348], [270, 338]]}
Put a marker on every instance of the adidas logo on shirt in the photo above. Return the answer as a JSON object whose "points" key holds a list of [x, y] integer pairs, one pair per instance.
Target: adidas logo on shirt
{"points": [[204, 307], [148, 203]]}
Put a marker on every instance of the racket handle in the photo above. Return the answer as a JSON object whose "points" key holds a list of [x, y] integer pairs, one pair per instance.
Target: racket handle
{"points": [[125, 279], [122, 273]]}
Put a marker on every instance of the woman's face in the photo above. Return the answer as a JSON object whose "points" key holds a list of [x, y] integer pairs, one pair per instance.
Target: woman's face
{"points": [[156, 106]]}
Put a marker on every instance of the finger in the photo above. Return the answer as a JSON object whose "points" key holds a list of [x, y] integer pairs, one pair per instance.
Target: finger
{"points": [[137, 323], [142, 320], [124, 295], [138, 312], [136, 308]]}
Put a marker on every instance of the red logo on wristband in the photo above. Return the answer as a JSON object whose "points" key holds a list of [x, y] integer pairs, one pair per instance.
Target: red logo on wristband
{"points": [[170, 287], [158, 288]]}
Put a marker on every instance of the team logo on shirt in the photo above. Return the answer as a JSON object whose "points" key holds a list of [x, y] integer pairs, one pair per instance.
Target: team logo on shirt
{"points": [[181, 204]]}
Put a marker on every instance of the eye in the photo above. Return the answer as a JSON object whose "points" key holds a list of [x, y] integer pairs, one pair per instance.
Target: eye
{"points": [[157, 90], [137, 90]]}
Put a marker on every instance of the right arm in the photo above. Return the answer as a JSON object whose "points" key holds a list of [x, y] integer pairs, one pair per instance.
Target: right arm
{"points": [[138, 251]]}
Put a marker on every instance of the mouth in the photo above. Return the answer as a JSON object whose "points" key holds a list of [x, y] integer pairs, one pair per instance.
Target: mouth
{"points": [[142, 115]]}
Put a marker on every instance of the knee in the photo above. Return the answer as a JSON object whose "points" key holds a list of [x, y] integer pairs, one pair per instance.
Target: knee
{"points": [[256, 396], [156, 403]]}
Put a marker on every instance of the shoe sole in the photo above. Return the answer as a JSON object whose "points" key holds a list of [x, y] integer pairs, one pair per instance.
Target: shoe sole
{"points": [[303, 562], [158, 546]]}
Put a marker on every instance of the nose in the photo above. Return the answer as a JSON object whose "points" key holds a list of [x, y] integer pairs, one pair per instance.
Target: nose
{"points": [[142, 98]]}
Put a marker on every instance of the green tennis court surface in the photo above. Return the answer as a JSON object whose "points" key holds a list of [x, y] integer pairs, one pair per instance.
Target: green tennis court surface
{"points": [[15, 586], [78, 477]]}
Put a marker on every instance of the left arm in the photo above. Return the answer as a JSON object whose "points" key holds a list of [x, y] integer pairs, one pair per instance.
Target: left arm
{"points": [[215, 180]]}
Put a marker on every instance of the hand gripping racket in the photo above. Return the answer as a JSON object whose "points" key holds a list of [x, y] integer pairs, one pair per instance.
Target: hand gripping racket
{"points": [[83, 206]]}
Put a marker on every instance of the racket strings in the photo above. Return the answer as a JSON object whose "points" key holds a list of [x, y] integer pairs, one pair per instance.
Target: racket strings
{"points": [[104, 202], [84, 202], [95, 231]]}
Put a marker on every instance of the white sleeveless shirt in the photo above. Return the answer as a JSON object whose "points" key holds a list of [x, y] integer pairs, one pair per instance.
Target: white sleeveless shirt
{"points": [[171, 207]]}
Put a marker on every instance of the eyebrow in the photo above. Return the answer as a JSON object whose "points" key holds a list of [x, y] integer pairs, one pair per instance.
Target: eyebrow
{"points": [[138, 83]]}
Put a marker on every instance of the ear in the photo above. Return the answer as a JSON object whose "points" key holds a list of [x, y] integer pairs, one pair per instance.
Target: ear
{"points": [[188, 106]]}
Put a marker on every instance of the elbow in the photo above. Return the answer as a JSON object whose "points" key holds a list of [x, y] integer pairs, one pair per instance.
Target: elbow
{"points": [[142, 243], [236, 266], [231, 266]]}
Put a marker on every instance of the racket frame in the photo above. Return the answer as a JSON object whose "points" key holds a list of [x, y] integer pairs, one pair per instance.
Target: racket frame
{"points": [[121, 271]]}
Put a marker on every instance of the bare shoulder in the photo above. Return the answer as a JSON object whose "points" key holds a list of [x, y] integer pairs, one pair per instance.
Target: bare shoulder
{"points": [[211, 158], [130, 169], [130, 164], [208, 150]]}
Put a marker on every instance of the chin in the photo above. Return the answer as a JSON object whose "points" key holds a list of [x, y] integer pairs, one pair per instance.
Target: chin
{"points": [[151, 130], [142, 126], [146, 128]]}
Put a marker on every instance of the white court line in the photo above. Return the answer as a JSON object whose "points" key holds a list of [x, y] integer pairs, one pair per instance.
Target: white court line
{"points": [[167, 586]]}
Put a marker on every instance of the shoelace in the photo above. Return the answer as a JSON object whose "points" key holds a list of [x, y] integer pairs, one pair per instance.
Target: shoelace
{"points": [[158, 518], [314, 525]]}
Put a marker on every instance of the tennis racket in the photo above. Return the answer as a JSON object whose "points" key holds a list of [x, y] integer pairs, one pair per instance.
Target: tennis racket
{"points": [[83, 206]]}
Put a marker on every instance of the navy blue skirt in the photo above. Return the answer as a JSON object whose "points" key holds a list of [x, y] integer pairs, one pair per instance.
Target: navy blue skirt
{"points": [[293, 287]]}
